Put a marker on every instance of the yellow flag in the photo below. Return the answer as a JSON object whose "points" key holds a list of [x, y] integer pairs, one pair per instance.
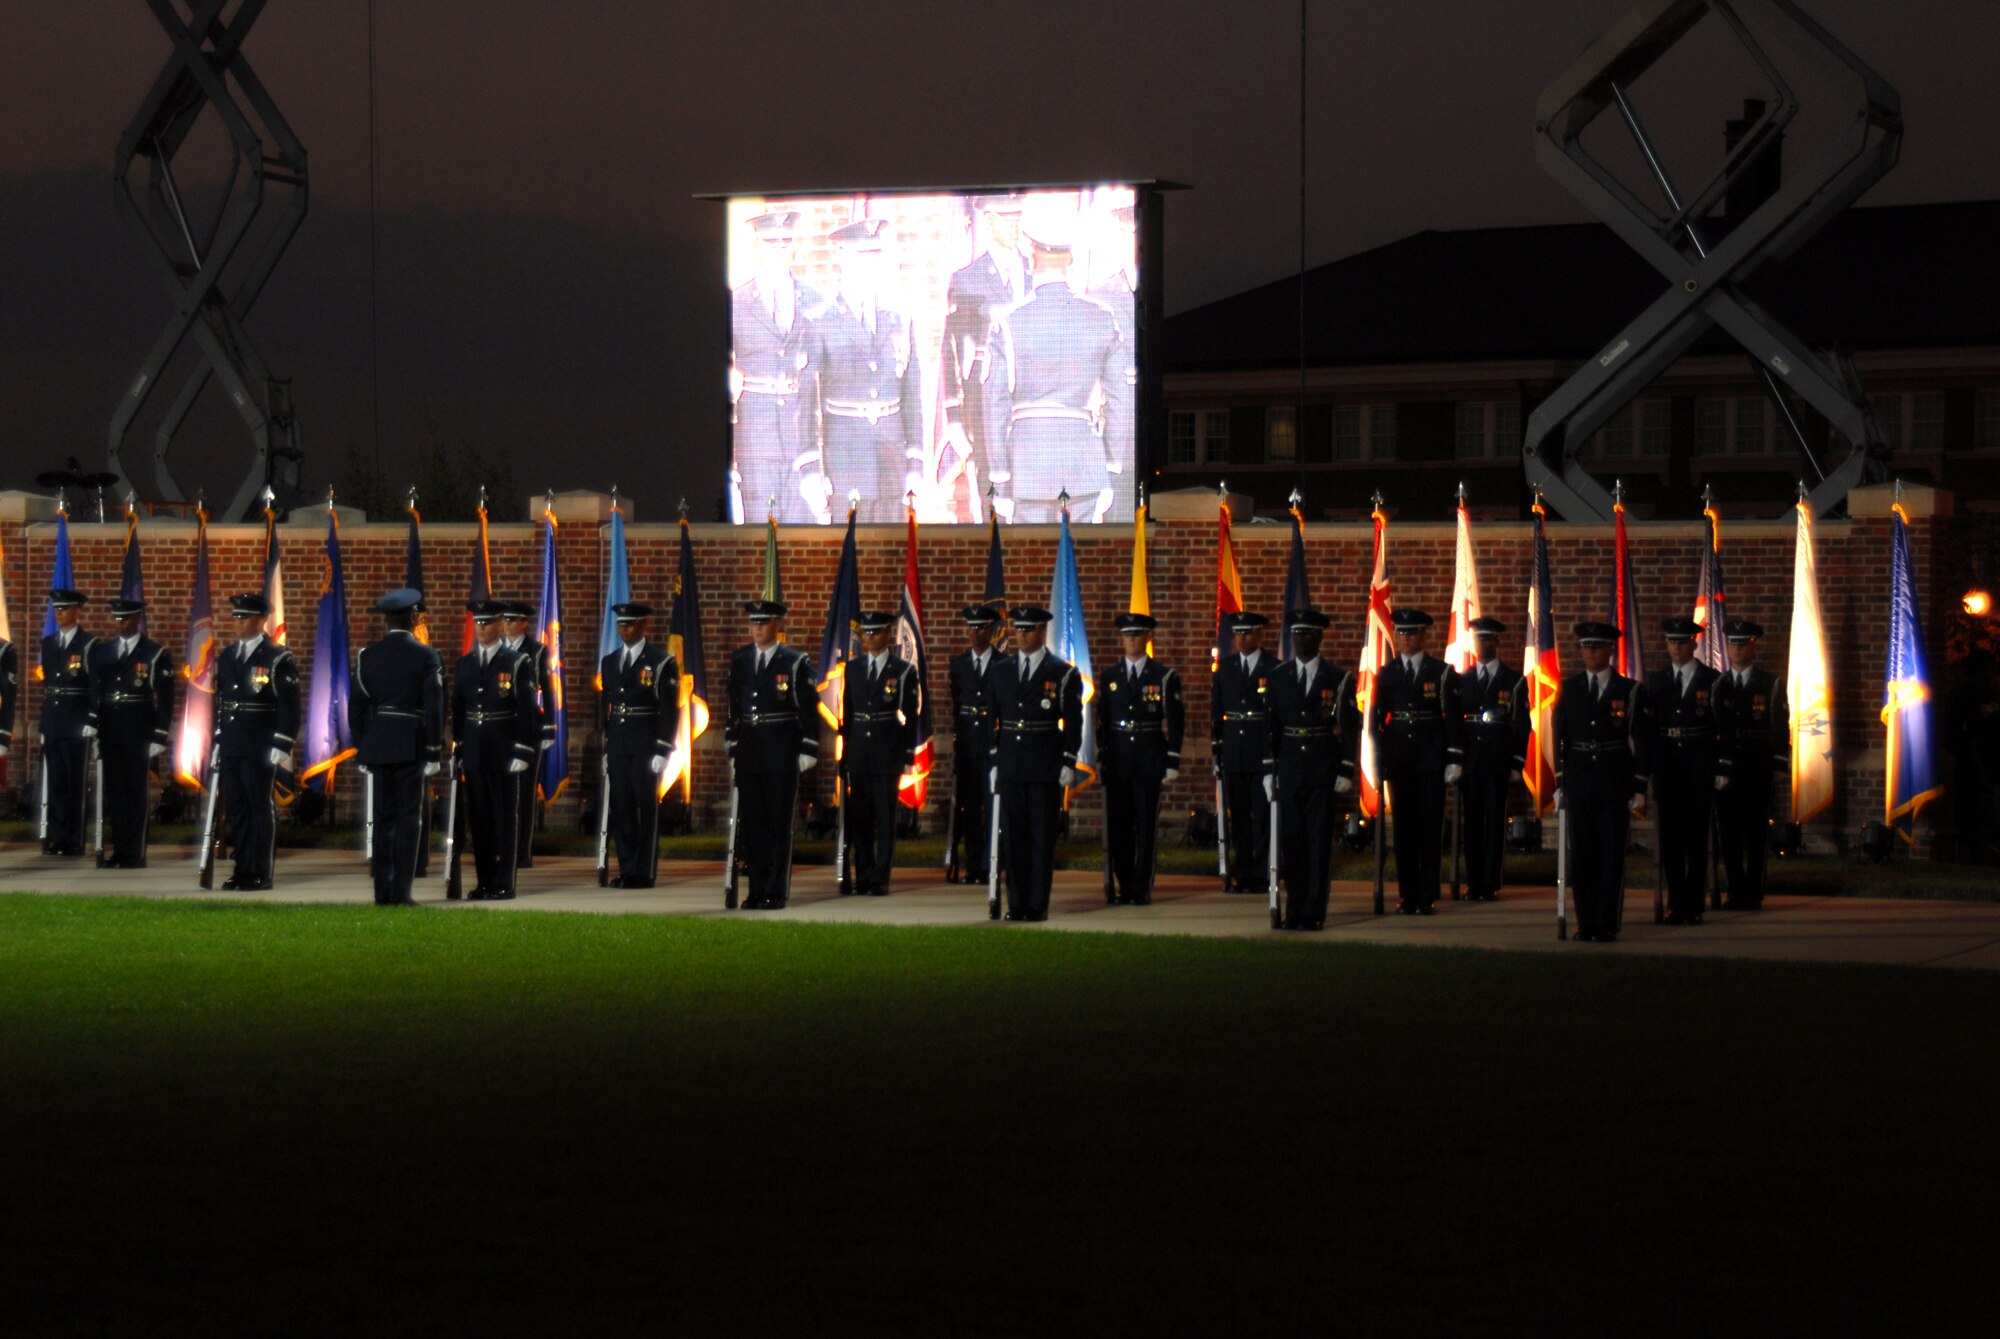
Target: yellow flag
{"points": [[1142, 599], [1806, 685]]}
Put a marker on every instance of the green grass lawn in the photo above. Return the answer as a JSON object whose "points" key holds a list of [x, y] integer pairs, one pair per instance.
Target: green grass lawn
{"points": [[295, 1118]]}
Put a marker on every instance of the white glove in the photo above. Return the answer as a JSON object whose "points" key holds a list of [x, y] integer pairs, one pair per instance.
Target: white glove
{"points": [[215, 757], [1003, 507], [993, 778], [806, 762], [1172, 772], [363, 769], [1637, 804], [155, 750], [1452, 773], [1068, 777], [89, 732], [658, 764], [5, 749], [277, 757], [1514, 775], [433, 768], [1344, 786], [520, 765], [1559, 797], [1270, 788], [1722, 783]]}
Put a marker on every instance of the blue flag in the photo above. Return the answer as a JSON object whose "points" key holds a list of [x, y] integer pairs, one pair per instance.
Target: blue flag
{"points": [[554, 770], [684, 645], [1298, 595], [836, 645], [61, 577], [328, 742], [617, 591], [131, 576], [1069, 639], [1906, 706]]}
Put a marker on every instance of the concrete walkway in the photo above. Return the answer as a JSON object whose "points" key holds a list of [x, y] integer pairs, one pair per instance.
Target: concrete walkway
{"points": [[1804, 929]]}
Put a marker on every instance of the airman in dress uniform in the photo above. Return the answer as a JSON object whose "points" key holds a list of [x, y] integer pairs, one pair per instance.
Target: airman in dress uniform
{"points": [[776, 456], [1038, 705], [879, 744], [495, 732], [1239, 731], [1118, 293], [256, 723], [866, 384], [69, 719], [1681, 718], [517, 618], [395, 714], [1600, 778], [132, 677], [1060, 362], [641, 704], [1315, 731], [773, 735], [974, 410], [972, 672], [1493, 704], [1140, 724], [1421, 751], [1754, 748]]}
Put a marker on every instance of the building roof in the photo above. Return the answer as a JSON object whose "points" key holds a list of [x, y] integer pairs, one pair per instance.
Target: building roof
{"points": [[1901, 276]]}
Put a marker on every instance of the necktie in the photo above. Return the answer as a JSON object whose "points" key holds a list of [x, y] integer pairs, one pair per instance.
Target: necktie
{"points": [[763, 659]]}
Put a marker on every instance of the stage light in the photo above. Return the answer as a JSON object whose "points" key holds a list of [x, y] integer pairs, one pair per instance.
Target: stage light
{"points": [[1877, 841], [1786, 839], [1524, 834], [1978, 602]]}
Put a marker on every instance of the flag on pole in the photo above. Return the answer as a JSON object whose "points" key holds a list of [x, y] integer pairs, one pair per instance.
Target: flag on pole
{"points": [[1626, 658], [774, 581], [1298, 593], [1228, 585], [328, 741], [413, 569], [274, 576], [617, 591], [1377, 645], [1541, 670], [62, 576], [131, 575], [1807, 684], [1906, 706], [1459, 652], [1069, 639], [836, 646], [1141, 599], [198, 668], [915, 783], [552, 774], [481, 585], [1711, 603], [684, 645], [995, 592]]}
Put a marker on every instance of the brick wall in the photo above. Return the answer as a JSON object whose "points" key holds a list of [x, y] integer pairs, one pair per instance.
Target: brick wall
{"points": [[1758, 555]]}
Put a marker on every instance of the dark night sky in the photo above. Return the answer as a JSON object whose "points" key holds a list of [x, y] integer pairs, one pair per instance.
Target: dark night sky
{"points": [[548, 287]]}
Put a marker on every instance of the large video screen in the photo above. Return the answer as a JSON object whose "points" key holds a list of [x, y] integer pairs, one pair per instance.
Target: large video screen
{"points": [[970, 348]]}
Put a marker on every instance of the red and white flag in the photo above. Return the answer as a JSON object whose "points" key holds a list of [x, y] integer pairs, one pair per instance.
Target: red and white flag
{"points": [[1377, 645], [915, 783], [1458, 651]]}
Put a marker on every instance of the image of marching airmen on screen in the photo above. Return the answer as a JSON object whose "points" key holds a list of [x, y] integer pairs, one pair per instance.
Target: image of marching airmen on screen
{"points": [[958, 351]]}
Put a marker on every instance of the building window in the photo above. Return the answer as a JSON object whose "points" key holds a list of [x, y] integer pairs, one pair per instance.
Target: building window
{"points": [[1986, 421], [1656, 428], [1346, 433], [1215, 436], [1711, 427], [1381, 432], [1470, 437], [1180, 437], [1888, 413], [1926, 422], [1643, 428], [1749, 434], [1507, 427], [1281, 434]]}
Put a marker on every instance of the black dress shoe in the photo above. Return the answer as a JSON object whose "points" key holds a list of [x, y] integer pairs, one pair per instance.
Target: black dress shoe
{"points": [[1426, 909], [256, 885], [878, 891], [501, 895], [1038, 915], [617, 881], [231, 884], [1583, 936], [1607, 936], [1405, 909], [1697, 919]]}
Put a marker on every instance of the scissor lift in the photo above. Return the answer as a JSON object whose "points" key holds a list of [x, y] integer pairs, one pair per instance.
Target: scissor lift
{"points": [[213, 271], [1706, 284]]}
